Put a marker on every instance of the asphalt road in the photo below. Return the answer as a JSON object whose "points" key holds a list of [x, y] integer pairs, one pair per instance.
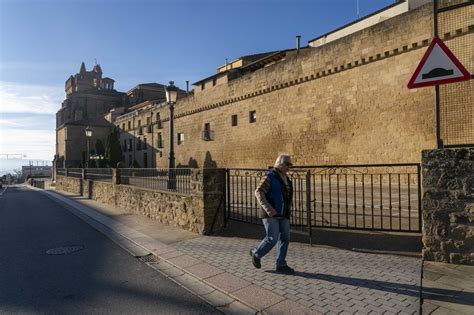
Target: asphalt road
{"points": [[99, 278]]}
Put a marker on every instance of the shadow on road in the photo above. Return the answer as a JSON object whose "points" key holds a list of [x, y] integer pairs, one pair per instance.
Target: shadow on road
{"points": [[99, 278]]}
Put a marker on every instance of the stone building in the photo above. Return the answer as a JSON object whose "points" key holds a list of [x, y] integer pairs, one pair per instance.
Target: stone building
{"points": [[141, 132], [344, 101], [91, 100]]}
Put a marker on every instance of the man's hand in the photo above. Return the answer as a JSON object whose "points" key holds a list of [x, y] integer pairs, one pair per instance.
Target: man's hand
{"points": [[272, 213]]}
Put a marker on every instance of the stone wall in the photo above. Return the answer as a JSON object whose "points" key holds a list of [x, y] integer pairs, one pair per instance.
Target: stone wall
{"points": [[201, 211], [346, 102], [342, 103], [69, 184], [448, 205]]}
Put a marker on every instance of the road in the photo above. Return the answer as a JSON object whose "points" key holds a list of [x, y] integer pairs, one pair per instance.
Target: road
{"points": [[100, 277]]}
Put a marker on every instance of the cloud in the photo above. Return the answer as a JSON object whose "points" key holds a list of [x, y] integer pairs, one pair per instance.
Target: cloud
{"points": [[27, 121], [32, 99], [35, 143]]}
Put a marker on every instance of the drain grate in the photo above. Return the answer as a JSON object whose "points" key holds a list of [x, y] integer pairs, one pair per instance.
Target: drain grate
{"points": [[150, 258], [64, 250]]}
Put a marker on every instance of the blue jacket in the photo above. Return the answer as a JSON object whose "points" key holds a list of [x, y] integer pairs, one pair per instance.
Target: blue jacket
{"points": [[277, 194]]}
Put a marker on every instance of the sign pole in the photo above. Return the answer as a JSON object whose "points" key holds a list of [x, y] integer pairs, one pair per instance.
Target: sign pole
{"points": [[439, 141]]}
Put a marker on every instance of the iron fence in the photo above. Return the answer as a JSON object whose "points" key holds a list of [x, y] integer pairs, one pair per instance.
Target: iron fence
{"points": [[99, 174], [176, 180], [74, 172], [368, 197]]}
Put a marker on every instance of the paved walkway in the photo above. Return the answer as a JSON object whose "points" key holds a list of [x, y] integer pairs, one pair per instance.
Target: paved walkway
{"points": [[448, 289], [328, 280]]}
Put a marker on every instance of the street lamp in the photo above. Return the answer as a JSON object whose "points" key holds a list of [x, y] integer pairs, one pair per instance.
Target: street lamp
{"points": [[88, 136], [171, 95]]}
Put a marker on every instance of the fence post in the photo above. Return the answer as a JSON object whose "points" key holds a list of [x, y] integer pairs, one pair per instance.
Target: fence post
{"points": [[227, 192], [116, 176], [308, 206], [83, 173], [66, 173]]}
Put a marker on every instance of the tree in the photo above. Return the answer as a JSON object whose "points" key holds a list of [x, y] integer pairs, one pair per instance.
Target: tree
{"points": [[113, 150], [100, 149]]}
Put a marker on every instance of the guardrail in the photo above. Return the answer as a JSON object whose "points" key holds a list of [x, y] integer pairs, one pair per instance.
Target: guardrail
{"points": [[175, 180]]}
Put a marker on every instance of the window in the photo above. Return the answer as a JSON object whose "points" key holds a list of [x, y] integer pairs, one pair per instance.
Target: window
{"points": [[149, 128], [160, 140], [123, 126], [214, 81], [180, 137], [144, 143], [253, 116], [130, 147], [140, 131], [158, 121], [139, 123], [207, 134], [234, 120], [148, 120], [129, 125], [203, 86]]}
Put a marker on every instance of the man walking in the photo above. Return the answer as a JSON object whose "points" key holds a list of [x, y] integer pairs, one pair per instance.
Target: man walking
{"points": [[275, 194]]}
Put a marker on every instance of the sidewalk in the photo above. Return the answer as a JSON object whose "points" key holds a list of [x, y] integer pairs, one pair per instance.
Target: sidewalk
{"points": [[328, 280], [448, 288]]}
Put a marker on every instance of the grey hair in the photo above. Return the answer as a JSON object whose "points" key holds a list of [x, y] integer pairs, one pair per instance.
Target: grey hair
{"points": [[282, 159]]}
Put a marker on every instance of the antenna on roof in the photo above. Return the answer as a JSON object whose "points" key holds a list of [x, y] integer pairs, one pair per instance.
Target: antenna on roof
{"points": [[357, 8], [95, 60]]}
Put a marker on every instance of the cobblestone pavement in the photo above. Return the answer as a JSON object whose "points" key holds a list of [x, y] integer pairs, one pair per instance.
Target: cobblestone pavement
{"points": [[327, 280]]}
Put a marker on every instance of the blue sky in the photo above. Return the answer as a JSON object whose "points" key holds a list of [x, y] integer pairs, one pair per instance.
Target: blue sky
{"points": [[43, 42]]}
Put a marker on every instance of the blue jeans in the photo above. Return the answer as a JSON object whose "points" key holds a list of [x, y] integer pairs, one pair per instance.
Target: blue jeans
{"points": [[278, 231]]}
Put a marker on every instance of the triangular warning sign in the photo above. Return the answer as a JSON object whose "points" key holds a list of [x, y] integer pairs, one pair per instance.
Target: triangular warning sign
{"points": [[438, 66]]}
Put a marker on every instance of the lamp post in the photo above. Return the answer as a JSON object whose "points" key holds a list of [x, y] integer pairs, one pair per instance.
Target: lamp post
{"points": [[88, 136], [171, 95]]}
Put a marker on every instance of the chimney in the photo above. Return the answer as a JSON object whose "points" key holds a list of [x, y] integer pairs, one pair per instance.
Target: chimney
{"points": [[298, 38], [187, 87]]}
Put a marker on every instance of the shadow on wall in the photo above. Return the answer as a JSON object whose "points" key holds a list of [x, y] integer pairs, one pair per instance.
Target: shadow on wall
{"points": [[209, 162], [192, 163]]}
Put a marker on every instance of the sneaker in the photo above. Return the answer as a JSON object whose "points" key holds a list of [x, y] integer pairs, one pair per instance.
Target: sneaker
{"points": [[285, 270], [255, 260]]}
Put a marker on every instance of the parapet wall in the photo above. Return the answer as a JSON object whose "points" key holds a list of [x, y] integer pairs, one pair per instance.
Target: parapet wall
{"points": [[201, 211], [342, 103], [448, 205]]}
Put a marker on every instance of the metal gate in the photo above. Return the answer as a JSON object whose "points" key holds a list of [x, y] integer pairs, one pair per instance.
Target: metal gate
{"points": [[380, 197]]}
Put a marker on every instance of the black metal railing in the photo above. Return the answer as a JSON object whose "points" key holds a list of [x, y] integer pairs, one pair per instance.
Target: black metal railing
{"points": [[99, 174], [74, 172], [176, 180], [368, 197]]}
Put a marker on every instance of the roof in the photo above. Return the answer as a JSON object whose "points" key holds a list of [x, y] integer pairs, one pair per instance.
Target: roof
{"points": [[97, 122], [358, 20], [257, 61], [149, 86]]}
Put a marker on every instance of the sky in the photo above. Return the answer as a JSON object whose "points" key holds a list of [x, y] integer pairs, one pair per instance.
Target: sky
{"points": [[43, 42]]}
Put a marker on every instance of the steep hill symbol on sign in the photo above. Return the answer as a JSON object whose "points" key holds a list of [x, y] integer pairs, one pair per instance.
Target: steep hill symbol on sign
{"points": [[438, 66]]}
